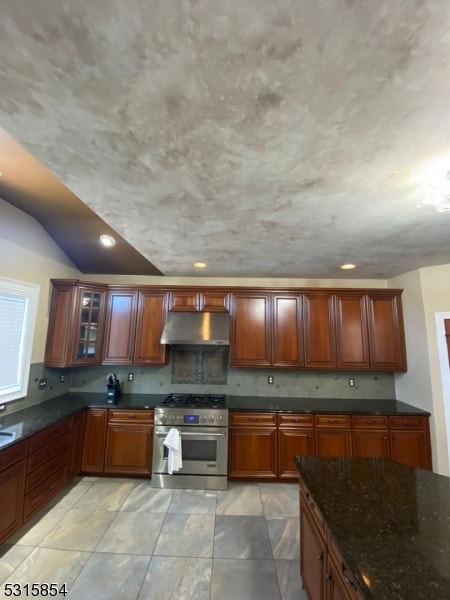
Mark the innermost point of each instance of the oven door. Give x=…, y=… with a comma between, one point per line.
x=203, y=451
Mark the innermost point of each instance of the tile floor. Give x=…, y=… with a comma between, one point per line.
x=119, y=539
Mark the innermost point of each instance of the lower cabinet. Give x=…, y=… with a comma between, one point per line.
x=252, y=448
x=118, y=441
x=13, y=468
x=129, y=440
x=295, y=438
x=262, y=445
x=48, y=465
x=323, y=572
x=333, y=435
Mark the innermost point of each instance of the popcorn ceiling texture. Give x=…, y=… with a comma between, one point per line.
x=270, y=138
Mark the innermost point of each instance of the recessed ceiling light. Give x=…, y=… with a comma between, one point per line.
x=348, y=267
x=107, y=240
x=199, y=265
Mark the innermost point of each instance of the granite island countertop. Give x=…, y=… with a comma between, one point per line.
x=390, y=522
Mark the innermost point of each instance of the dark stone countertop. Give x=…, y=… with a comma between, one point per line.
x=390, y=522
x=34, y=418
x=323, y=405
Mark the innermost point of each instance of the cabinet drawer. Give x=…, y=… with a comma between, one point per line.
x=413, y=422
x=295, y=420
x=122, y=415
x=46, y=470
x=369, y=421
x=41, y=439
x=9, y=456
x=243, y=418
x=43, y=456
x=44, y=493
x=333, y=420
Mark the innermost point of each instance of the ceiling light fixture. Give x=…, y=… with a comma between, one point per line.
x=348, y=267
x=107, y=240
x=435, y=178
x=199, y=265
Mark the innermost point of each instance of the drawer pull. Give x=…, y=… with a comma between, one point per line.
x=331, y=421
x=346, y=579
x=252, y=419
x=132, y=416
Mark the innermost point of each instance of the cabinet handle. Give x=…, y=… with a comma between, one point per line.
x=132, y=416
x=329, y=577
x=346, y=579
x=331, y=420
x=252, y=419
x=310, y=501
x=320, y=556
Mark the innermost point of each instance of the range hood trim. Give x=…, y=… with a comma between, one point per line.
x=196, y=328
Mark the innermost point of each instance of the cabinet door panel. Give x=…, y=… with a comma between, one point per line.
x=152, y=310
x=293, y=442
x=386, y=332
x=120, y=327
x=12, y=489
x=333, y=442
x=60, y=326
x=370, y=443
x=351, y=331
x=252, y=453
x=312, y=556
x=287, y=338
x=128, y=449
x=250, y=331
x=94, y=440
x=410, y=448
x=319, y=330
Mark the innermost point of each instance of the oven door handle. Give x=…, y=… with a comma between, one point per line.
x=192, y=433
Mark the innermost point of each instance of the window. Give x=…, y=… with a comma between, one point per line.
x=18, y=307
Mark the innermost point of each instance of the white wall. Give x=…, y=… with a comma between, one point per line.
x=426, y=292
x=27, y=253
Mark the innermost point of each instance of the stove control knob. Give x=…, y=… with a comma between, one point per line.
x=220, y=418
x=211, y=419
x=172, y=419
x=162, y=418
x=203, y=418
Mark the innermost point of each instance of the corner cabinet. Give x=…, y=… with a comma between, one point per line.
x=76, y=323
x=134, y=322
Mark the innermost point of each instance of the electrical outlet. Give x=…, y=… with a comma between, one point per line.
x=62, y=378
x=130, y=376
x=351, y=382
x=42, y=383
x=270, y=379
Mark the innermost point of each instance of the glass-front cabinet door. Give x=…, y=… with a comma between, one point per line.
x=91, y=310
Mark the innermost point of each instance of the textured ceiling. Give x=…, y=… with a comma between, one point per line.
x=266, y=138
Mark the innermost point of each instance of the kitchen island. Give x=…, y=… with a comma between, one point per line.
x=373, y=529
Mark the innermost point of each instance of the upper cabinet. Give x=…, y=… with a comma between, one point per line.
x=194, y=300
x=250, y=336
x=76, y=322
x=329, y=329
x=134, y=323
x=319, y=328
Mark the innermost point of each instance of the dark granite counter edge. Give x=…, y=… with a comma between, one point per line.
x=35, y=418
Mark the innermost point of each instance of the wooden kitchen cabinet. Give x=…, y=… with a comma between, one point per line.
x=76, y=323
x=94, y=440
x=250, y=338
x=386, y=331
x=193, y=300
x=410, y=441
x=323, y=571
x=252, y=447
x=351, y=330
x=287, y=331
x=134, y=323
x=13, y=467
x=319, y=330
x=129, y=442
x=295, y=438
x=370, y=436
x=48, y=465
x=333, y=435
x=312, y=551
x=76, y=446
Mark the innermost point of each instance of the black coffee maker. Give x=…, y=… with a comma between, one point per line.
x=113, y=389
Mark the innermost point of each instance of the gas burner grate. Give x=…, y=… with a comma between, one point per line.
x=195, y=401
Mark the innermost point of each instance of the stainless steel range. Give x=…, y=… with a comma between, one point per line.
x=202, y=421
